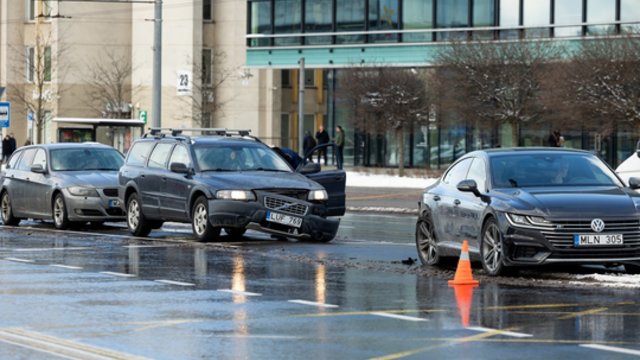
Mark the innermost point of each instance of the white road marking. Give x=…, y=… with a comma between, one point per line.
x=19, y=260
x=304, y=302
x=505, y=333
x=117, y=274
x=171, y=282
x=611, y=349
x=399, y=317
x=51, y=249
x=236, y=292
x=147, y=246
x=66, y=267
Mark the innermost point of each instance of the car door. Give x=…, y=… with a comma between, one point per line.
x=448, y=211
x=177, y=186
x=22, y=176
x=10, y=183
x=471, y=207
x=38, y=187
x=155, y=178
x=334, y=182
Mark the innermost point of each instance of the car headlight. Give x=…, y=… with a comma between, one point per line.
x=82, y=191
x=240, y=195
x=318, y=195
x=524, y=220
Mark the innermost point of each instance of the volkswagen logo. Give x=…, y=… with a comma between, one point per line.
x=597, y=225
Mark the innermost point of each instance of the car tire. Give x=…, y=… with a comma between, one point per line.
x=235, y=232
x=59, y=212
x=200, y=224
x=136, y=221
x=426, y=242
x=324, y=239
x=633, y=269
x=7, y=211
x=492, y=249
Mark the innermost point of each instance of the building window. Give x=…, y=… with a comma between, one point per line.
x=452, y=14
x=318, y=19
x=284, y=130
x=383, y=15
x=568, y=12
x=309, y=78
x=483, y=16
x=537, y=13
x=47, y=64
x=629, y=11
x=288, y=20
x=207, y=10
x=285, y=78
x=207, y=65
x=509, y=17
x=350, y=16
x=30, y=8
x=260, y=22
x=598, y=12
x=46, y=10
x=30, y=55
x=417, y=14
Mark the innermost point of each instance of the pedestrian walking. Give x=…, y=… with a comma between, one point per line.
x=323, y=138
x=339, y=146
x=308, y=144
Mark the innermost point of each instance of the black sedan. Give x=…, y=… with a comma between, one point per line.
x=531, y=206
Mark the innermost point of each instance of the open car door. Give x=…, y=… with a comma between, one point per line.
x=334, y=181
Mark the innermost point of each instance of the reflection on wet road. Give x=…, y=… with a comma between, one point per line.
x=85, y=296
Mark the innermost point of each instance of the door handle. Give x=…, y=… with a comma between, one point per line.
x=436, y=198
x=456, y=202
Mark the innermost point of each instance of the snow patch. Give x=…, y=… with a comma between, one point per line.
x=613, y=280
x=356, y=179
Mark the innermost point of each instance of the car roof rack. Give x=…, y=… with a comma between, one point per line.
x=177, y=132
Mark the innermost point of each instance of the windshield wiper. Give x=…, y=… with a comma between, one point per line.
x=218, y=170
x=265, y=169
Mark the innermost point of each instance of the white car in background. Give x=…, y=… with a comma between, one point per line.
x=630, y=167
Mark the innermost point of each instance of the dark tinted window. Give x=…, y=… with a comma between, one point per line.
x=139, y=153
x=160, y=155
x=26, y=159
x=457, y=172
x=238, y=157
x=478, y=173
x=85, y=159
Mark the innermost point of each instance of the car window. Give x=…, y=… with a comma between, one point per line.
x=26, y=160
x=238, y=157
x=478, y=173
x=457, y=172
x=40, y=158
x=86, y=159
x=14, y=159
x=139, y=153
x=160, y=155
x=180, y=155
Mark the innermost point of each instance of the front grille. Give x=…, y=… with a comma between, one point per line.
x=560, y=233
x=110, y=192
x=294, y=193
x=285, y=206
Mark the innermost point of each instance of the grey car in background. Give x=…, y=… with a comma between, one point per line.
x=67, y=183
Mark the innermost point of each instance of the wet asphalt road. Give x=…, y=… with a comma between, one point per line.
x=99, y=293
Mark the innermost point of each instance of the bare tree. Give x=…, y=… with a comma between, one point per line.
x=45, y=71
x=110, y=90
x=603, y=82
x=210, y=75
x=384, y=98
x=492, y=83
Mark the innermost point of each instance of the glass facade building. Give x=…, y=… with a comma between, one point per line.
x=371, y=24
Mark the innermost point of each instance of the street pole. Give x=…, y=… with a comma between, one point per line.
x=157, y=65
x=301, y=108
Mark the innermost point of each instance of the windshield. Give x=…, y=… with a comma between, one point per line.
x=85, y=159
x=550, y=169
x=238, y=157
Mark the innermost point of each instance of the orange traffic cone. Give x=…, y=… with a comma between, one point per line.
x=464, y=299
x=463, y=272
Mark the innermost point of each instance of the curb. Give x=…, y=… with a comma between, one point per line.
x=382, y=210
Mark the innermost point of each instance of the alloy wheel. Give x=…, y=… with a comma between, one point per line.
x=200, y=219
x=58, y=211
x=133, y=214
x=492, y=251
x=426, y=242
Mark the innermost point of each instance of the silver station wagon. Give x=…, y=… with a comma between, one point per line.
x=67, y=183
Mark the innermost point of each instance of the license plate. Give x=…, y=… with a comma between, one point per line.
x=597, y=239
x=284, y=219
x=114, y=203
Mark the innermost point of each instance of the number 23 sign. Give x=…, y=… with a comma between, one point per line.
x=184, y=85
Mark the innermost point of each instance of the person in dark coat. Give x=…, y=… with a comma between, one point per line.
x=12, y=145
x=307, y=144
x=323, y=138
x=339, y=146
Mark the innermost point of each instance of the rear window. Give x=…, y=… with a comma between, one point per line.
x=139, y=153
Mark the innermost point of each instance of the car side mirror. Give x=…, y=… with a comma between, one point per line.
x=179, y=168
x=468, y=186
x=38, y=168
x=310, y=168
x=634, y=183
